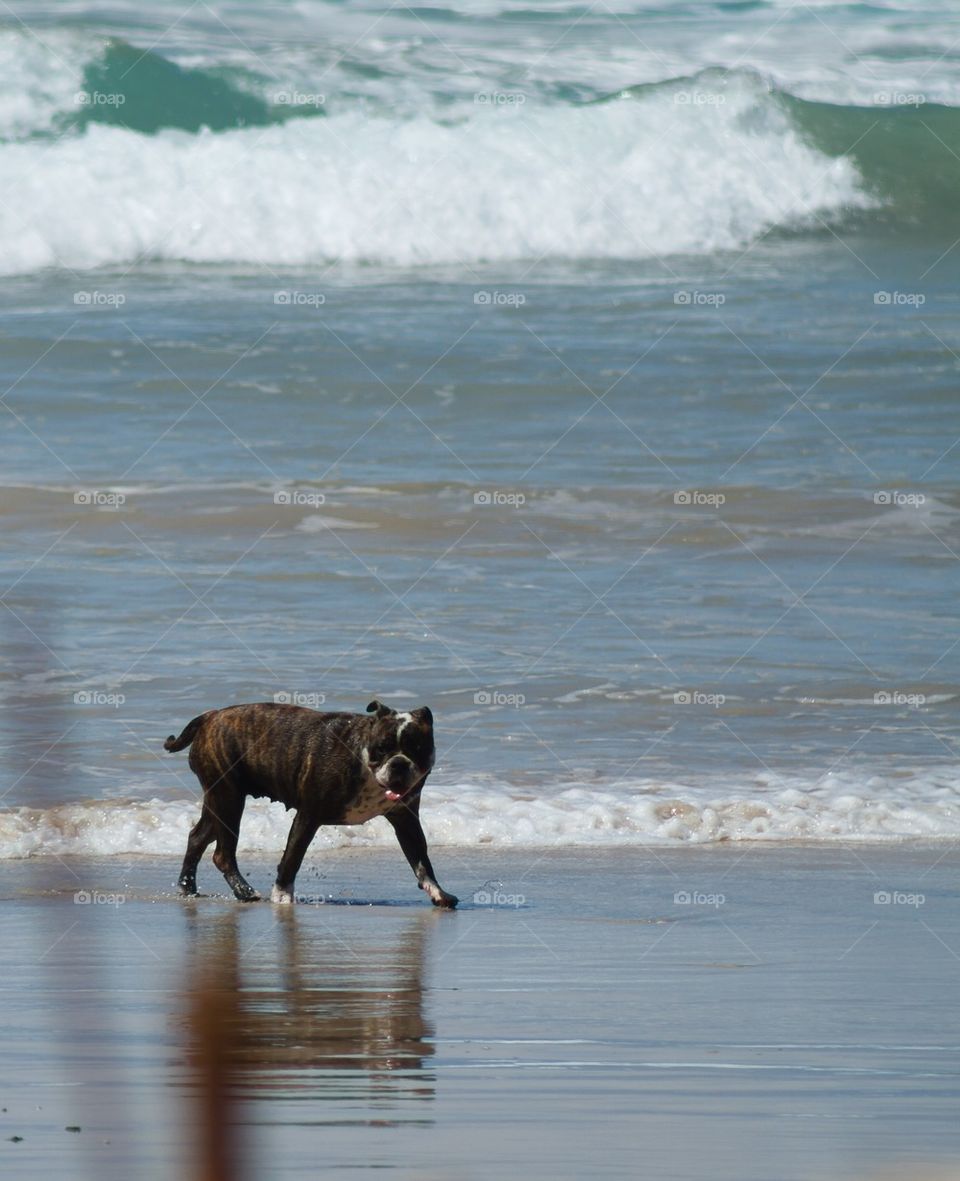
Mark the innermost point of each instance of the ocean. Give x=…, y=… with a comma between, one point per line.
x=587, y=372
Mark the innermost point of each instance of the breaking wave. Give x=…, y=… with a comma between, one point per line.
x=926, y=806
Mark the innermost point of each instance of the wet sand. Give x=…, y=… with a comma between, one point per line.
x=742, y=1012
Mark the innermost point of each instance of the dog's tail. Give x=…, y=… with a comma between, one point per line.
x=187, y=735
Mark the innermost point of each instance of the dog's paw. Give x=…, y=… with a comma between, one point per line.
x=440, y=897
x=281, y=897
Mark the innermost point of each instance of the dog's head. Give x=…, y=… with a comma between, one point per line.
x=399, y=751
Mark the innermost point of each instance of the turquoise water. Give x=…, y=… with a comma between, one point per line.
x=590, y=376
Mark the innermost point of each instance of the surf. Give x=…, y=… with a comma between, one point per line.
x=846, y=808
x=637, y=176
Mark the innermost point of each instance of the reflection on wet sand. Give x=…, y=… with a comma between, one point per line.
x=298, y=1015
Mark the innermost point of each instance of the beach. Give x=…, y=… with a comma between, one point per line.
x=782, y=1023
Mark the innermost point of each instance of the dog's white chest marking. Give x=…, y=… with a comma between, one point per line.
x=370, y=801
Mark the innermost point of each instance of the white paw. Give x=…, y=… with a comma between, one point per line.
x=439, y=897
x=284, y=897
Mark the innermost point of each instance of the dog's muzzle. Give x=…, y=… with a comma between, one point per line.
x=397, y=776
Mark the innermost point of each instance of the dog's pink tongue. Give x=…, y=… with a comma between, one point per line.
x=392, y=795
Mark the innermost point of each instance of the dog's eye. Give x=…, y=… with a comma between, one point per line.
x=414, y=745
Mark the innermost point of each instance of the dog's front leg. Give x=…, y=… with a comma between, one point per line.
x=406, y=824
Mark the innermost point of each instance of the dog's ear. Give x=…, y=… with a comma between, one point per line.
x=378, y=708
x=424, y=715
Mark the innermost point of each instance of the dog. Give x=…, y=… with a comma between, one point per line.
x=331, y=768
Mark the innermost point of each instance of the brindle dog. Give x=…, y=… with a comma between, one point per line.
x=332, y=768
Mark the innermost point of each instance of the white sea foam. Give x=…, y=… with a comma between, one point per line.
x=318, y=522
x=626, y=179
x=837, y=808
x=40, y=77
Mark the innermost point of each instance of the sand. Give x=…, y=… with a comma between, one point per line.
x=780, y=1024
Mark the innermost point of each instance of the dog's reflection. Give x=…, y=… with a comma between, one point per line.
x=296, y=1012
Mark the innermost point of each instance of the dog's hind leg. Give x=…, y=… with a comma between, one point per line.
x=302, y=832
x=201, y=835
x=226, y=808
